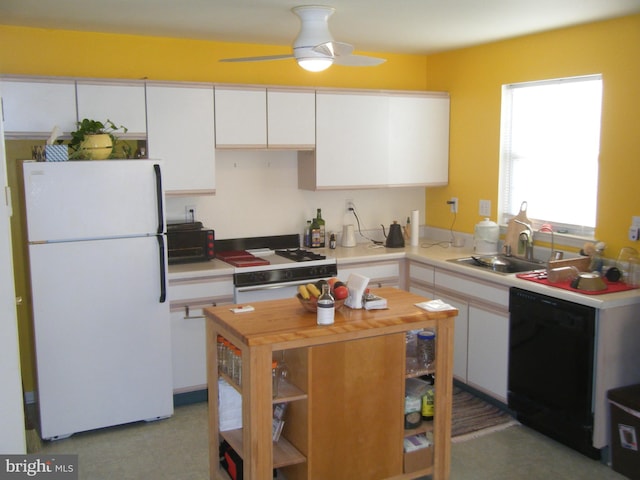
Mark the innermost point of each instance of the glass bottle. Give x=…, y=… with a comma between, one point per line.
x=307, y=234
x=326, y=307
x=323, y=233
x=315, y=234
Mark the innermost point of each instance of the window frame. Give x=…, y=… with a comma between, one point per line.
x=571, y=231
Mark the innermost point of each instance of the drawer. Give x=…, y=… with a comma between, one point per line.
x=422, y=273
x=200, y=288
x=484, y=292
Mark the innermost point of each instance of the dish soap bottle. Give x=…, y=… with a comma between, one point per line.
x=326, y=307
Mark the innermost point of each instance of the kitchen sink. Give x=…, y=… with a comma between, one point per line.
x=500, y=263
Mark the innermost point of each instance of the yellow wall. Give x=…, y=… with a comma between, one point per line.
x=474, y=77
x=37, y=51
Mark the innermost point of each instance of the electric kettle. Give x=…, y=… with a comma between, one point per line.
x=395, y=239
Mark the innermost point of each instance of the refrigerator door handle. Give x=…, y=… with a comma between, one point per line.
x=163, y=273
x=156, y=169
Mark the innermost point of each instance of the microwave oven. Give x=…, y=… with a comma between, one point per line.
x=188, y=244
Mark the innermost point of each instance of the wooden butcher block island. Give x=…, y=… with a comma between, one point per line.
x=344, y=392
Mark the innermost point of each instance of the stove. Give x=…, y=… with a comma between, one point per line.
x=268, y=268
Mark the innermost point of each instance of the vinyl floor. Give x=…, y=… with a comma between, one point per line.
x=176, y=449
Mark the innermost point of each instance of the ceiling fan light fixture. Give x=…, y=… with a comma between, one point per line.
x=315, y=64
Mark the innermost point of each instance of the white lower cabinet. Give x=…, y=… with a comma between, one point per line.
x=481, y=337
x=461, y=335
x=188, y=296
x=488, y=354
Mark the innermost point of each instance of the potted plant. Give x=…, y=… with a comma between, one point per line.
x=94, y=140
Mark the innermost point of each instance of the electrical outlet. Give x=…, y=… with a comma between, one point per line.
x=633, y=233
x=349, y=205
x=485, y=208
x=635, y=222
x=190, y=213
x=453, y=204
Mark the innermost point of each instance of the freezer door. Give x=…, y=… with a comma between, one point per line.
x=93, y=199
x=102, y=336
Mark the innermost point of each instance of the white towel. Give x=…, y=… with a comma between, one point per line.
x=434, y=306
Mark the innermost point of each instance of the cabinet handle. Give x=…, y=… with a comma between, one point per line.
x=189, y=317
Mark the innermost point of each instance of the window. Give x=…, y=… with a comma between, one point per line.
x=550, y=143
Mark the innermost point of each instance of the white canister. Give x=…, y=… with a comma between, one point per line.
x=348, y=236
x=486, y=236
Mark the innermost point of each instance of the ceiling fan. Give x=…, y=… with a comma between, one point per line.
x=314, y=49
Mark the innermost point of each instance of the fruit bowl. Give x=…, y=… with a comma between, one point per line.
x=311, y=304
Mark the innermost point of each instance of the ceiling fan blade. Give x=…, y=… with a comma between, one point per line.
x=256, y=59
x=334, y=49
x=358, y=61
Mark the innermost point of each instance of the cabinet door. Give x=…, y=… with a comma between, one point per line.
x=291, y=119
x=418, y=140
x=352, y=139
x=123, y=104
x=461, y=335
x=241, y=117
x=188, y=296
x=37, y=107
x=188, y=350
x=488, y=351
x=181, y=132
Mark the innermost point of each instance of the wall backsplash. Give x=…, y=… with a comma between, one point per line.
x=257, y=194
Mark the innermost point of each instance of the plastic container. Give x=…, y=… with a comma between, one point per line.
x=426, y=349
x=415, y=389
x=486, y=236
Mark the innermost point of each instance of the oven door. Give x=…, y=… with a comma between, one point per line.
x=274, y=291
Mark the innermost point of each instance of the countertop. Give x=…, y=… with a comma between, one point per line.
x=431, y=253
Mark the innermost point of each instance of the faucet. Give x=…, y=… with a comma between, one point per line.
x=527, y=237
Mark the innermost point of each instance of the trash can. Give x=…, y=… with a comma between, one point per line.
x=624, y=405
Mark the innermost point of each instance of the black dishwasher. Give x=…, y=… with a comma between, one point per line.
x=551, y=365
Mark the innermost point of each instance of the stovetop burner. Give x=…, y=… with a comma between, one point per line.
x=300, y=255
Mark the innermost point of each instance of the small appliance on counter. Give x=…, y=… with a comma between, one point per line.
x=394, y=239
x=485, y=238
x=189, y=242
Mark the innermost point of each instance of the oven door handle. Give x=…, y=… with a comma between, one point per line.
x=272, y=286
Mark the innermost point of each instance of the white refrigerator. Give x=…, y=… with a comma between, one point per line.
x=97, y=255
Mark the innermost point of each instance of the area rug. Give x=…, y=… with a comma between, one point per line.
x=473, y=417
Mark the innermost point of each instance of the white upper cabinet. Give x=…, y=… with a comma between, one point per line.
x=418, y=139
x=291, y=118
x=123, y=104
x=181, y=133
x=241, y=117
x=37, y=106
x=351, y=142
x=377, y=139
x=256, y=117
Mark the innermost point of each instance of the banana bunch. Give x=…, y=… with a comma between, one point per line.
x=308, y=290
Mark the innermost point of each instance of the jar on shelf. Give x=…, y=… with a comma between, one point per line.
x=426, y=349
x=220, y=351
x=275, y=378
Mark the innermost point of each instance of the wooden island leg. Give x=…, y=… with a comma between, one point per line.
x=257, y=416
x=443, y=399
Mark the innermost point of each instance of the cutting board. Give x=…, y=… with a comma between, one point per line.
x=514, y=229
x=241, y=258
